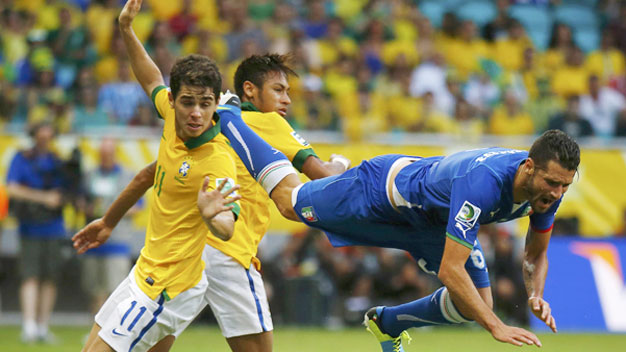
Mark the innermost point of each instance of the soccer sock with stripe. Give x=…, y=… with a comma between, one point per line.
x=266, y=164
x=434, y=309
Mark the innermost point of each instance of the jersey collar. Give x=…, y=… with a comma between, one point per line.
x=207, y=135
x=248, y=106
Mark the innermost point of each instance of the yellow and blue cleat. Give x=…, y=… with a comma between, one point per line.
x=387, y=343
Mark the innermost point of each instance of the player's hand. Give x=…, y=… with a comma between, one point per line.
x=541, y=309
x=91, y=236
x=341, y=160
x=130, y=10
x=229, y=98
x=217, y=201
x=515, y=336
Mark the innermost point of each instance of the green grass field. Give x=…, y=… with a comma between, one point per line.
x=288, y=339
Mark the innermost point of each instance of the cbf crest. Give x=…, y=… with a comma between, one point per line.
x=184, y=169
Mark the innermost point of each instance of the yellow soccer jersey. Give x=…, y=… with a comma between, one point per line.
x=170, y=260
x=255, y=214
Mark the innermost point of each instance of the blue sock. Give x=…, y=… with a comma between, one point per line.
x=435, y=309
x=266, y=164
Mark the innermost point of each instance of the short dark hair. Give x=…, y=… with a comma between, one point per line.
x=196, y=70
x=558, y=146
x=257, y=67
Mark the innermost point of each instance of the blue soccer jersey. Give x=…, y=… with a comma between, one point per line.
x=466, y=189
x=439, y=196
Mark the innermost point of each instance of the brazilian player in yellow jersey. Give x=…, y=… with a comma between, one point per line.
x=194, y=168
x=236, y=292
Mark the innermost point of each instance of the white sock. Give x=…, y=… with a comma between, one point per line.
x=29, y=328
x=42, y=330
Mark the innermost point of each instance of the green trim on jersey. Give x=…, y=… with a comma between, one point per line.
x=466, y=244
x=301, y=156
x=207, y=135
x=236, y=210
x=248, y=106
x=156, y=91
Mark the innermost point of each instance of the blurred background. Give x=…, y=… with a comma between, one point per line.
x=403, y=76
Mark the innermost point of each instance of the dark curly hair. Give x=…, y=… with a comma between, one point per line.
x=256, y=68
x=195, y=70
x=558, y=146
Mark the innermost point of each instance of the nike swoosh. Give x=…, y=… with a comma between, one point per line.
x=118, y=334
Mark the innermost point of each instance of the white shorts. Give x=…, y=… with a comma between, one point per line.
x=236, y=295
x=131, y=321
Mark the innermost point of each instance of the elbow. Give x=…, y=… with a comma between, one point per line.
x=444, y=275
x=225, y=235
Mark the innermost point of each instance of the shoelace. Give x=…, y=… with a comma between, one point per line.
x=397, y=342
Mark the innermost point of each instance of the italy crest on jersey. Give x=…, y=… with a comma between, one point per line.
x=184, y=169
x=309, y=214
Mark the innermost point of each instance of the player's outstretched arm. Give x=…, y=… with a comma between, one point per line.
x=146, y=71
x=535, y=269
x=314, y=168
x=98, y=231
x=466, y=298
x=215, y=207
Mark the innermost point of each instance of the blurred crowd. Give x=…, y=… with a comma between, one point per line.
x=364, y=66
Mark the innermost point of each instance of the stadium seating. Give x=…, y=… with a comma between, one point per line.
x=480, y=12
x=537, y=21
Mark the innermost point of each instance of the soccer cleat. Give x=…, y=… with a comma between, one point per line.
x=387, y=343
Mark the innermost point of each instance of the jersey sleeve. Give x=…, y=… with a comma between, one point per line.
x=472, y=195
x=160, y=100
x=543, y=222
x=278, y=133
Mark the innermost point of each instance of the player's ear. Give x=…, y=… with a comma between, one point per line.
x=529, y=166
x=170, y=97
x=249, y=90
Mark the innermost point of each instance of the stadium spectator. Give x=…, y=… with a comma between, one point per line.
x=71, y=46
x=571, y=78
x=559, y=46
x=466, y=122
x=499, y=27
x=509, y=295
x=467, y=51
x=617, y=26
x=183, y=23
x=607, y=62
x=121, y=99
x=570, y=121
x=241, y=29
x=601, y=107
x=508, y=50
x=86, y=114
x=482, y=93
x=103, y=268
x=430, y=76
x=35, y=183
x=510, y=118
x=315, y=24
x=620, y=129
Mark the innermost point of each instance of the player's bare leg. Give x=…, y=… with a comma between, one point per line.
x=95, y=343
x=261, y=342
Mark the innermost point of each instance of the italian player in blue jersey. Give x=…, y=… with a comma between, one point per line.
x=432, y=208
